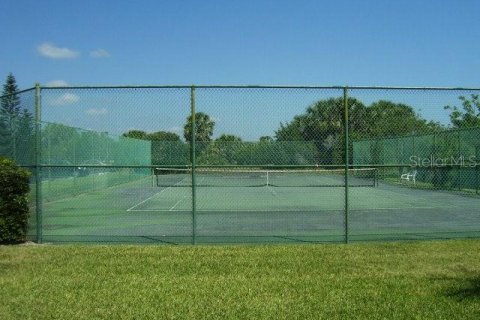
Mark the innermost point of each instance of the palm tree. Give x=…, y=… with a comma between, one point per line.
x=203, y=128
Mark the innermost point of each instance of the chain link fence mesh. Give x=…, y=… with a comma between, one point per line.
x=17, y=140
x=229, y=164
x=424, y=144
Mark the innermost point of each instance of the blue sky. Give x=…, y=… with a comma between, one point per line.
x=414, y=43
x=391, y=43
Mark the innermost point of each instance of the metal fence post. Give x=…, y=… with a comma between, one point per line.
x=477, y=168
x=345, y=108
x=193, y=160
x=38, y=162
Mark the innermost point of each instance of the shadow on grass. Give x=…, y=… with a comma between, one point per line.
x=469, y=290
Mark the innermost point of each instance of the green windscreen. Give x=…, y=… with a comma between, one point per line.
x=77, y=161
x=445, y=159
x=65, y=145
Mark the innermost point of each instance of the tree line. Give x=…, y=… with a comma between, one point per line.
x=313, y=137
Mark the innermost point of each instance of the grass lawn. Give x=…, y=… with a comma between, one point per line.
x=405, y=280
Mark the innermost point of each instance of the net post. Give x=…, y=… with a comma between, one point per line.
x=193, y=163
x=477, y=169
x=345, y=108
x=152, y=172
x=38, y=161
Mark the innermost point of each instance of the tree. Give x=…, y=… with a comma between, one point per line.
x=163, y=136
x=166, y=147
x=13, y=202
x=61, y=143
x=9, y=112
x=10, y=101
x=154, y=136
x=385, y=118
x=228, y=138
x=323, y=123
x=5, y=138
x=266, y=139
x=226, y=146
x=136, y=134
x=26, y=138
x=203, y=128
x=468, y=115
x=213, y=154
x=16, y=125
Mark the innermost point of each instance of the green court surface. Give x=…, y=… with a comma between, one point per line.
x=140, y=211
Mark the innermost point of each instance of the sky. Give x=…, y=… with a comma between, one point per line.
x=325, y=43
x=91, y=42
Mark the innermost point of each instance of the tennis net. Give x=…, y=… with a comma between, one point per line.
x=168, y=177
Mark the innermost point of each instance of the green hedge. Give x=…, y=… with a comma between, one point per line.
x=14, y=187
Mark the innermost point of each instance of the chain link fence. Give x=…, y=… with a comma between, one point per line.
x=246, y=164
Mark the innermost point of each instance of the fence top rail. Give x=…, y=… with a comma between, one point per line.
x=256, y=87
x=17, y=92
x=473, y=165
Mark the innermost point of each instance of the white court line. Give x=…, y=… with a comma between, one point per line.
x=131, y=209
x=184, y=197
x=273, y=192
x=266, y=210
x=142, y=202
x=173, y=207
x=156, y=194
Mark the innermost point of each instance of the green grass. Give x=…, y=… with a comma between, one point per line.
x=415, y=280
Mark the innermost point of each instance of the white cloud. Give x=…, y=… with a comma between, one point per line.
x=100, y=53
x=57, y=83
x=49, y=50
x=65, y=99
x=96, y=111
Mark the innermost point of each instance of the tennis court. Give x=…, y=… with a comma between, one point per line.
x=243, y=207
x=248, y=164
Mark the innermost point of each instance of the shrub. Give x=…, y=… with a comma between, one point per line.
x=14, y=187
